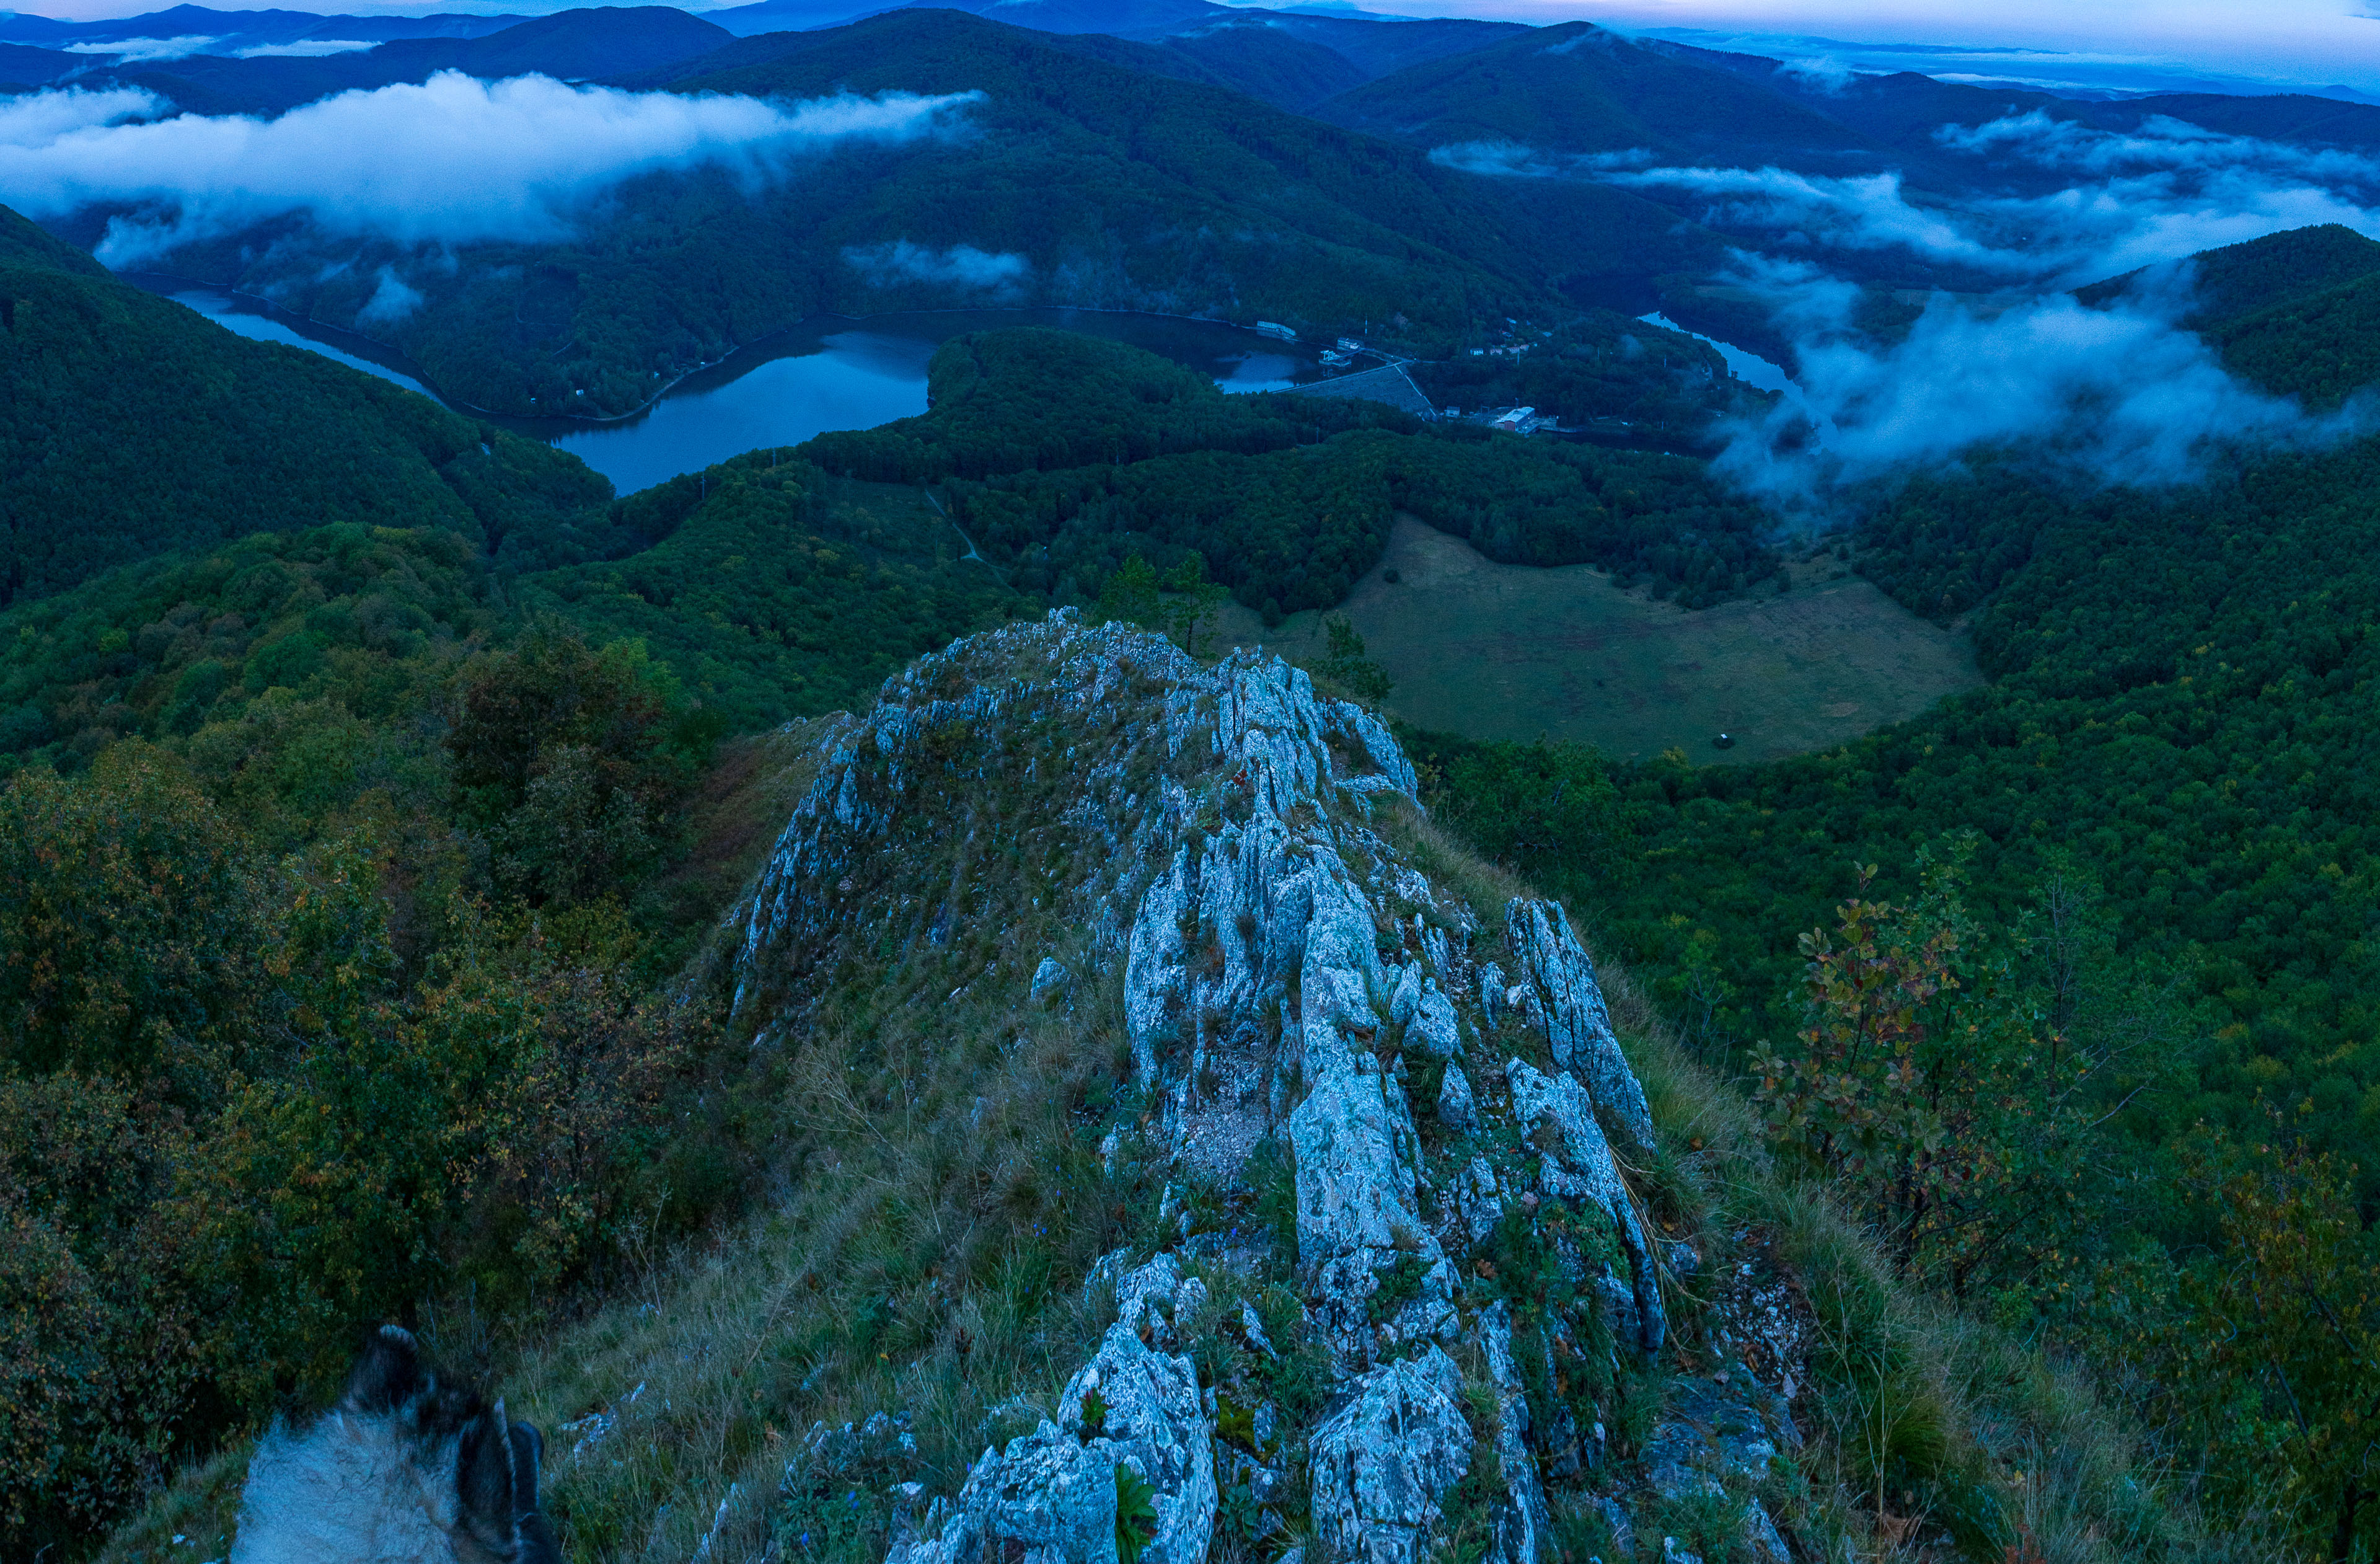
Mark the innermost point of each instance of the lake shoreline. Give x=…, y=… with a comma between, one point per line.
x=166, y=284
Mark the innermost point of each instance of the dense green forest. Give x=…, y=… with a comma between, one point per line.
x=305, y=999
x=788, y=583
x=132, y=426
x=1065, y=455
x=787, y=593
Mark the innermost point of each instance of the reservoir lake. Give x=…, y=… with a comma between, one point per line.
x=826, y=374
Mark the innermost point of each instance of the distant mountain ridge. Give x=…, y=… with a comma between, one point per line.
x=1289, y=60
x=233, y=30
x=581, y=44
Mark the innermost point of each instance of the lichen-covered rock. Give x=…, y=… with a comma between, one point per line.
x=1356, y=1195
x=1714, y=1433
x=1157, y=1296
x=1383, y=1465
x=1052, y=1493
x=1049, y=1495
x=1434, y=1028
x=1525, y=1524
x=1560, y=979
x=1456, y=1107
x=1049, y=980
x=1580, y=1168
x=1471, y=1207
x=1761, y=1537
x=1155, y=1422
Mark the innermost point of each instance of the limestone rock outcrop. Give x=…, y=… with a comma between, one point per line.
x=1235, y=852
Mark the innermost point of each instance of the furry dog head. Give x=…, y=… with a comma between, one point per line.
x=404, y=1470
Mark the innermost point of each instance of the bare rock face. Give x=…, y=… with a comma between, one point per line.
x=1152, y=1422
x=1224, y=841
x=1052, y=1498
x=1457, y=1109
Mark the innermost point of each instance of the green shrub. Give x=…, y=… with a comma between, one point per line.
x=1135, y=1514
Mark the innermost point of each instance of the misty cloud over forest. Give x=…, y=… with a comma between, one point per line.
x=999, y=276
x=450, y=160
x=2121, y=393
x=2125, y=393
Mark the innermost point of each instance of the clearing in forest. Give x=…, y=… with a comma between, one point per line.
x=1502, y=651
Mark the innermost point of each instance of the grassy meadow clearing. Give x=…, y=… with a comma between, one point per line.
x=1497, y=651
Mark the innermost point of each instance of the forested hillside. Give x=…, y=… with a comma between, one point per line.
x=785, y=583
x=133, y=427
x=1579, y=88
x=1070, y=456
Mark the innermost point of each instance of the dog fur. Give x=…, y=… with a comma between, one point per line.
x=403, y=1470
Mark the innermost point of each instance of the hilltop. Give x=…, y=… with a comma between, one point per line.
x=1185, y=1147
x=1578, y=88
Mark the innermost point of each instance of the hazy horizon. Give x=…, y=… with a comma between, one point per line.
x=2283, y=45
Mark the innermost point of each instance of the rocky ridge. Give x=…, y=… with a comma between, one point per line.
x=1439, y=1083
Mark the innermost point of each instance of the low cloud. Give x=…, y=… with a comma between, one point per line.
x=1504, y=160
x=2159, y=193
x=392, y=301
x=306, y=49
x=2120, y=396
x=1822, y=73
x=2116, y=395
x=452, y=161
x=133, y=51
x=2160, y=142
x=961, y=266
x=35, y=120
x=1871, y=212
